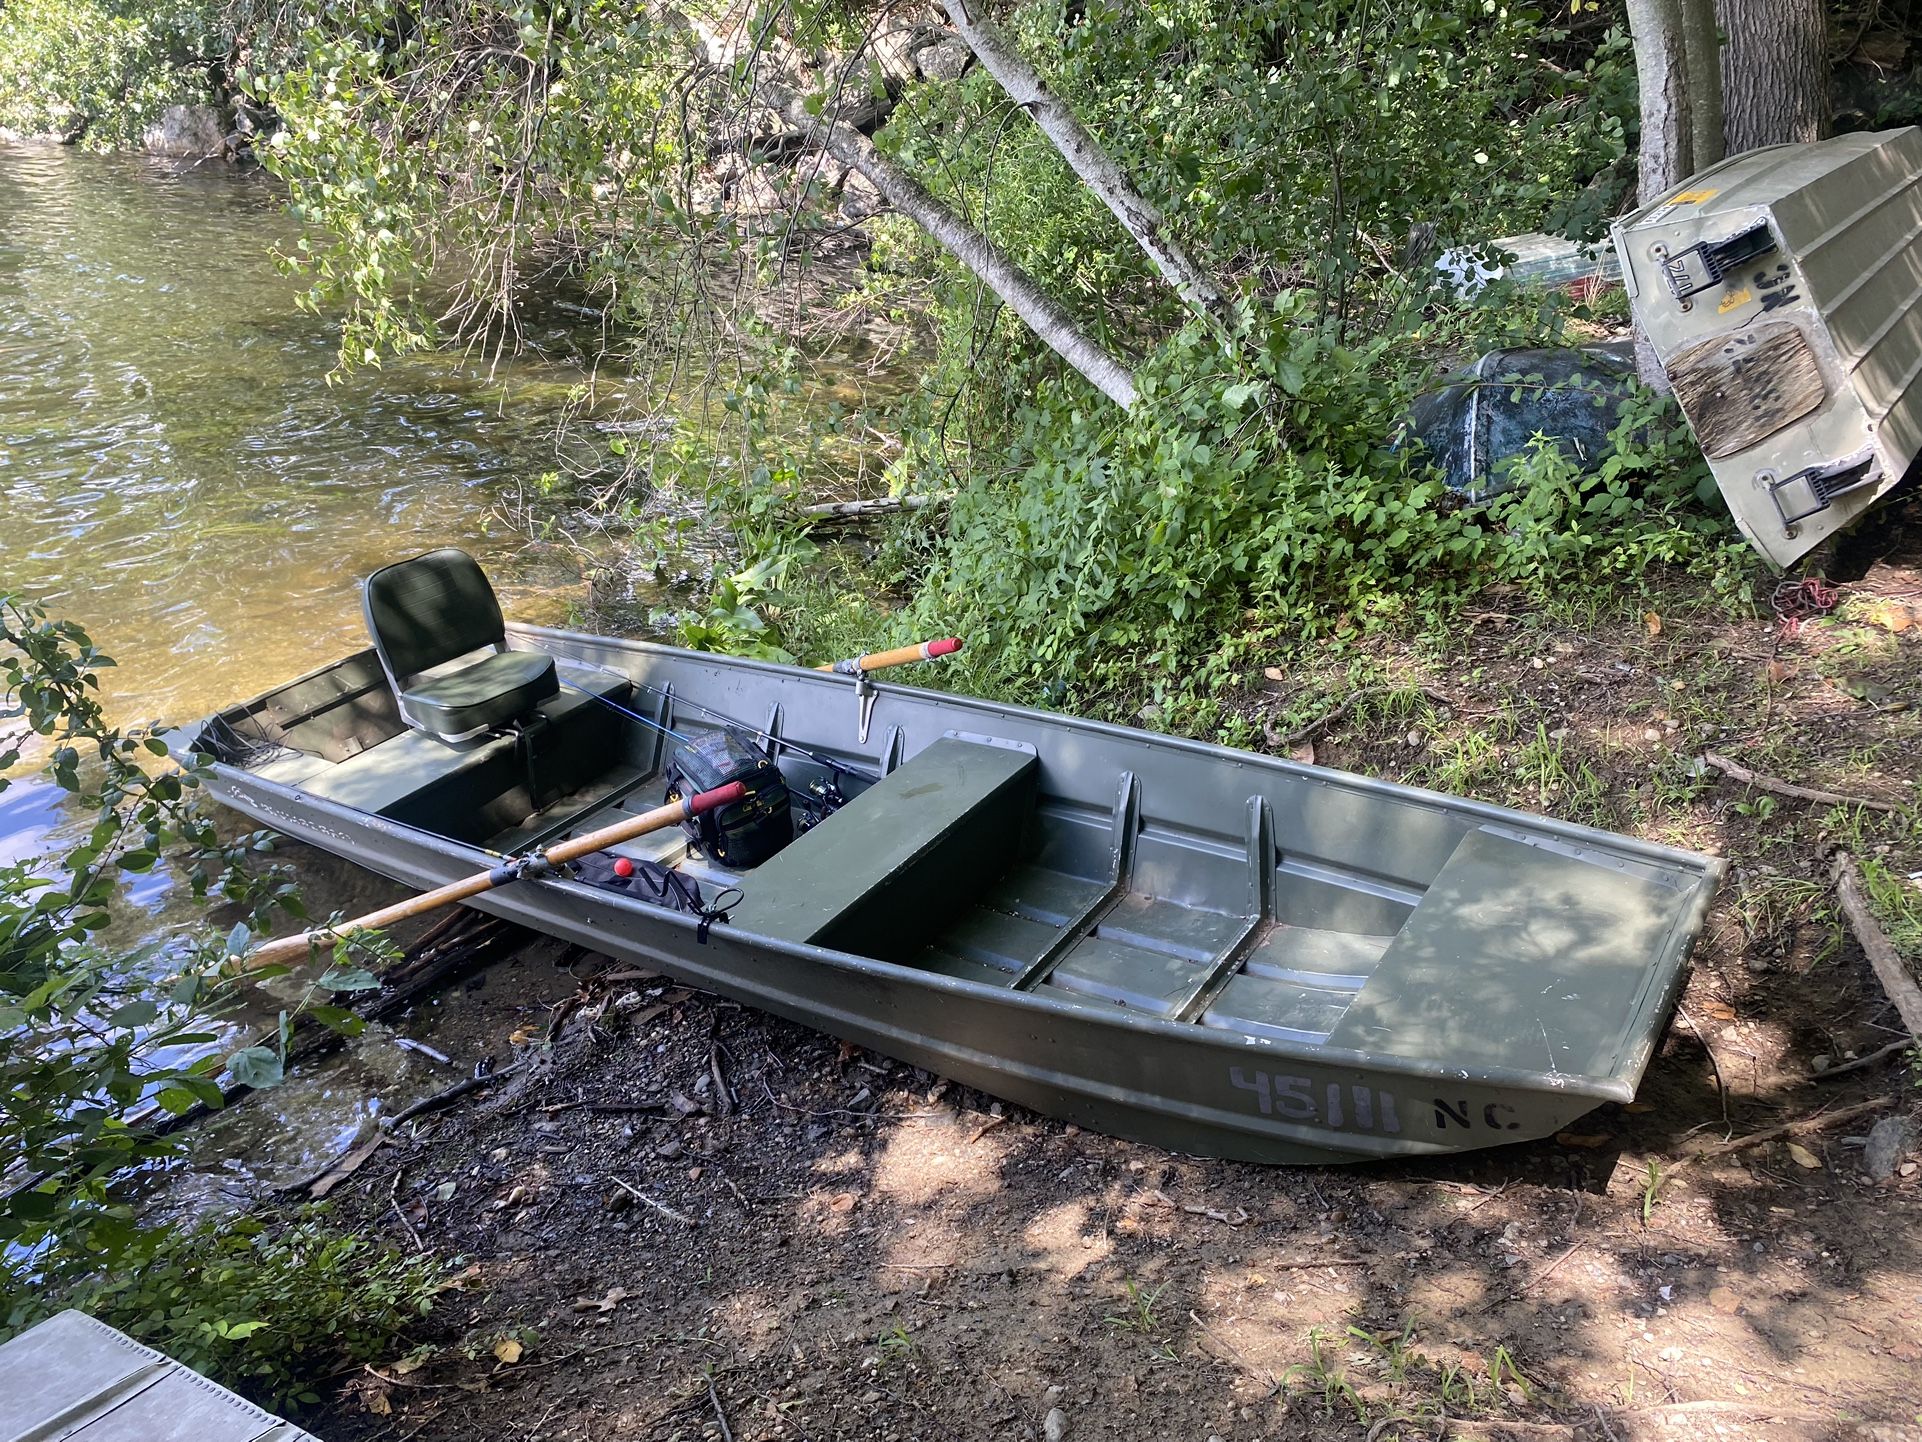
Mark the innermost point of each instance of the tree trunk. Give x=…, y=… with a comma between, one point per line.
x=968, y=245
x=1138, y=215
x=1667, y=154
x=1668, y=142
x=1774, y=72
x=1702, y=47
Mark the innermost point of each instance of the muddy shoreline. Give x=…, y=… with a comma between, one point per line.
x=692, y=1220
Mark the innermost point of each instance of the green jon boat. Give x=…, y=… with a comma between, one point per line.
x=1216, y=952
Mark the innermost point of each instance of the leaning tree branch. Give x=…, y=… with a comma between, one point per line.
x=968, y=245
x=1138, y=215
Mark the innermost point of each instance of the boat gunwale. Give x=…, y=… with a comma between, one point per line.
x=1669, y=962
x=1486, y=811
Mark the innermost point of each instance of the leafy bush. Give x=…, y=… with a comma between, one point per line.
x=267, y=1306
x=104, y=68
x=1250, y=502
x=95, y=1035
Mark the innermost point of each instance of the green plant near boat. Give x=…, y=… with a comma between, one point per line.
x=1326, y=1377
x=269, y=1305
x=1653, y=1180
x=94, y=1031
x=1138, y=1315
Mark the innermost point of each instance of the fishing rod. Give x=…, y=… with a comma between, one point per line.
x=714, y=715
x=857, y=666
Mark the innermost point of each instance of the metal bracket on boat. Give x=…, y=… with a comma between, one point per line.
x=532, y=867
x=1810, y=490
x=864, y=694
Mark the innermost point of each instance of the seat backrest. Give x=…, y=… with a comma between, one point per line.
x=427, y=611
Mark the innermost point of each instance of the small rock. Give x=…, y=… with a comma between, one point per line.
x=1724, y=1300
x=1650, y=733
x=945, y=59
x=1889, y=1142
x=1053, y=1395
x=1055, y=1425
x=618, y=1201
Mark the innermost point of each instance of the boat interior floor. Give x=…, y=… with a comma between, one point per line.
x=956, y=861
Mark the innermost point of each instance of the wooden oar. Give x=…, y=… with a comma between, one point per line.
x=294, y=948
x=899, y=656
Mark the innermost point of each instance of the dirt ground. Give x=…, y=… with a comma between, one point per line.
x=685, y=1219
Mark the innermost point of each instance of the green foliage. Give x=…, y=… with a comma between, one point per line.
x=1325, y=147
x=1251, y=501
x=95, y=1034
x=104, y=69
x=1898, y=905
x=466, y=140
x=267, y=1306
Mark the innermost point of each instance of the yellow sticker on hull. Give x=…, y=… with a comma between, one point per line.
x=1730, y=302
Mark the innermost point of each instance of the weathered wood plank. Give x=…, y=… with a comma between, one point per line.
x=1737, y=390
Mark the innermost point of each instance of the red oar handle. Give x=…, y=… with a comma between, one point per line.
x=899, y=656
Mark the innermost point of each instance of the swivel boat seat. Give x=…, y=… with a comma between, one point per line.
x=429, y=617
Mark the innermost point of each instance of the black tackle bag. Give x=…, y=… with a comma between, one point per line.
x=743, y=833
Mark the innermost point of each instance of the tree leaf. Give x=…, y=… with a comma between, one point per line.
x=256, y=1066
x=134, y=1013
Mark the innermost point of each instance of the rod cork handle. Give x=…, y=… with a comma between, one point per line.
x=296, y=948
x=899, y=656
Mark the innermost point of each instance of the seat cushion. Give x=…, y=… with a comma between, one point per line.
x=431, y=610
x=489, y=692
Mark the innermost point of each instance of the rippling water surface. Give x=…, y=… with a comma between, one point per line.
x=175, y=471
x=177, y=475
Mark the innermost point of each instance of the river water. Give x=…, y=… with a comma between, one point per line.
x=176, y=471
x=182, y=474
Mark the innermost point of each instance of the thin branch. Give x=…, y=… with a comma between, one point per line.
x=1735, y=771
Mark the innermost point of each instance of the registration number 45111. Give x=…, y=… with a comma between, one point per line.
x=1329, y=1104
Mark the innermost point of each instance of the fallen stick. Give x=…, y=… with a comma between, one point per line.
x=1735, y=771
x=727, y=1433
x=862, y=509
x=393, y=1200
x=1890, y=969
x=662, y=1207
x=1820, y=1122
x=453, y=1094
x=1864, y=1061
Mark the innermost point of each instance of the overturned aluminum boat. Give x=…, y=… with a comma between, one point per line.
x=1217, y=952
